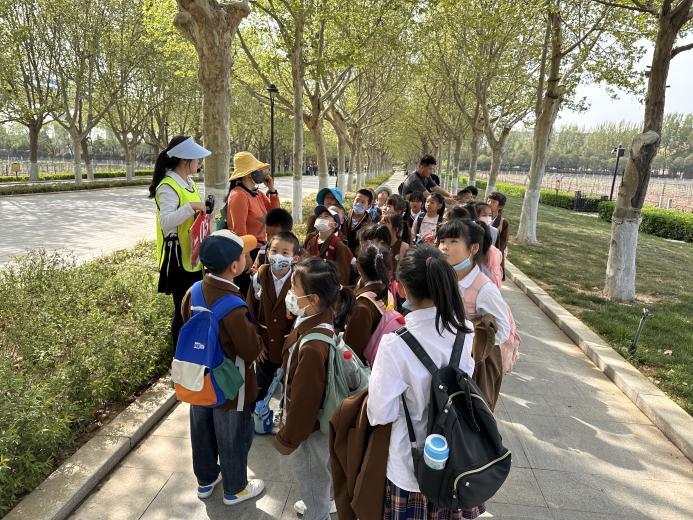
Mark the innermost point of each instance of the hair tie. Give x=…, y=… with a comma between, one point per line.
x=379, y=255
x=428, y=261
x=341, y=287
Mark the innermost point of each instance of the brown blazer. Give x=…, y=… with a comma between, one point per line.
x=273, y=321
x=488, y=363
x=501, y=223
x=306, y=381
x=358, y=460
x=363, y=321
x=352, y=234
x=237, y=334
x=341, y=259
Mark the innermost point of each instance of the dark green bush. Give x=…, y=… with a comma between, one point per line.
x=665, y=223
x=72, y=339
x=70, y=186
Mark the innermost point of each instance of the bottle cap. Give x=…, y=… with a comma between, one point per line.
x=436, y=447
x=348, y=355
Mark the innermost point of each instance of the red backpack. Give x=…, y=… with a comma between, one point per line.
x=390, y=321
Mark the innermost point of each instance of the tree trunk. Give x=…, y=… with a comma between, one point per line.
x=620, y=268
x=129, y=162
x=317, y=131
x=88, y=159
x=352, y=165
x=210, y=27
x=360, y=174
x=77, y=153
x=473, y=155
x=34, y=130
x=456, y=165
x=341, y=162
x=497, y=149
x=297, y=78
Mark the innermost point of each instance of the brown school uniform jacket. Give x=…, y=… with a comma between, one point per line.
x=273, y=321
x=363, y=321
x=351, y=234
x=488, y=363
x=358, y=460
x=503, y=226
x=237, y=334
x=306, y=370
x=342, y=255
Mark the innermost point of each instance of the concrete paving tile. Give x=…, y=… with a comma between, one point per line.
x=502, y=511
x=520, y=488
x=125, y=494
x=566, y=514
x=511, y=439
x=289, y=513
x=654, y=499
x=178, y=501
x=575, y=491
x=176, y=424
x=161, y=453
x=267, y=463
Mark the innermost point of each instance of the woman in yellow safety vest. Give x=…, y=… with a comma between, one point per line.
x=178, y=202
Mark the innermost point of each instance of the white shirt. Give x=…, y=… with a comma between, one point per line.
x=279, y=282
x=489, y=301
x=223, y=280
x=170, y=215
x=428, y=225
x=398, y=371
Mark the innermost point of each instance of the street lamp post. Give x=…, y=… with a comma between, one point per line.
x=166, y=131
x=273, y=91
x=620, y=151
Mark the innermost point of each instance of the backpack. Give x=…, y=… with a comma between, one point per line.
x=419, y=221
x=511, y=346
x=477, y=463
x=400, y=188
x=337, y=386
x=201, y=372
x=390, y=321
x=330, y=254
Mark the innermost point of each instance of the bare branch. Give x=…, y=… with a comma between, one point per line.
x=636, y=6
x=680, y=49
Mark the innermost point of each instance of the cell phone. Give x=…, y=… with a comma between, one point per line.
x=209, y=203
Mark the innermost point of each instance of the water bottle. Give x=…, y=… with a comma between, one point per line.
x=353, y=374
x=436, y=451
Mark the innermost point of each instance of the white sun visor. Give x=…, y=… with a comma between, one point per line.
x=188, y=149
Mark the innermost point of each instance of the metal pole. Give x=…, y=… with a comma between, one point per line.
x=619, y=152
x=272, y=135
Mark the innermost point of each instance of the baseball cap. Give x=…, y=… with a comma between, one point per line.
x=223, y=247
x=320, y=209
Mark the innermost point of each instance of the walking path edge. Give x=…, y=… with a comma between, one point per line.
x=60, y=494
x=664, y=413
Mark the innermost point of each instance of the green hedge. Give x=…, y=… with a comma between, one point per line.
x=549, y=197
x=73, y=339
x=70, y=186
x=665, y=223
x=71, y=176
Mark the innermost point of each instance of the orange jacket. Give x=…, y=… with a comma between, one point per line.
x=246, y=210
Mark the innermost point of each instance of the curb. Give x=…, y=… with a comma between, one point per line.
x=664, y=413
x=60, y=494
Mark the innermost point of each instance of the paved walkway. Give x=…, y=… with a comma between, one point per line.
x=581, y=450
x=88, y=223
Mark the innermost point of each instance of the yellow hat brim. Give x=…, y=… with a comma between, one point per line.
x=237, y=174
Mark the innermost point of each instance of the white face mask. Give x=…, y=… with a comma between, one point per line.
x=280, y=262
x=291, y=301
x=322, y=225
x=486, y=220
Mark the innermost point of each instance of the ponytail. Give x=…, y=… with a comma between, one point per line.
x=481, y=257
x=342, y=309
x=426, y=274
x=397, y=222
x=165, y=163
x=375, y=261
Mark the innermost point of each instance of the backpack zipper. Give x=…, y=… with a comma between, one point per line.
x=473, y=395
x=478, y=470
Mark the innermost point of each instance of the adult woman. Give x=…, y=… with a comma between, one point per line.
x=247, y=205
x=177, y=203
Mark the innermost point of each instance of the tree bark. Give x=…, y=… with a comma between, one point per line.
x=34, y=130
x=474, y=155
x=341, y=162
x=352, y=165
x=129, y=162
x=317, y=131
x=360, y=174
x=211, y=26
x=88, y=159
x=456, y=165
x=297, y=80
x=497, y=149
x=77, y=156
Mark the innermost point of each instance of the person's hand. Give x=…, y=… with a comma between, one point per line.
x=429, y=238
x=269, y=182
x=263, y=356
x=198, y=206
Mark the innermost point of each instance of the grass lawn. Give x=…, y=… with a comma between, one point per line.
x=570, y=265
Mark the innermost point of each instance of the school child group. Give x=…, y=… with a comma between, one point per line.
x=438, y=264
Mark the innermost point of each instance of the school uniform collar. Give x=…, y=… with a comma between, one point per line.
x=305, y=323
x=360, y=222
x=469, y=279
x=420, y=315
x=221, y=283
x=372, y=286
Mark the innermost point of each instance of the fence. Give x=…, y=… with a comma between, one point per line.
x=61, y=166
x=661, y=193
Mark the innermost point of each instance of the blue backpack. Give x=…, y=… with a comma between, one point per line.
x=201, y=373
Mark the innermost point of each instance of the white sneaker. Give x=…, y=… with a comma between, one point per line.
x=206, y=491
x=485, y=514
x=254, y=488
x=300, y=507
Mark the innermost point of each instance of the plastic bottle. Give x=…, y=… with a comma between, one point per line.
x=353, y=374
x=436, y=451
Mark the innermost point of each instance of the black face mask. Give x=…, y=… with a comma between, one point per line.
x=258, y=176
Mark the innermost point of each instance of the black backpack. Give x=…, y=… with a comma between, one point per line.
x=478, y=463
x=400, y=188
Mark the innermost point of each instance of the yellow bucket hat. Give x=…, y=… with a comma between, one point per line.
x=245, y=163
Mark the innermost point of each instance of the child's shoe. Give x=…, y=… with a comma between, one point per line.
x=300, y=507
x=206, y=491
x=254, y=488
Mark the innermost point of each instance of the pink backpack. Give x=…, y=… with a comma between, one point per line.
x=390, y=321
x=510, y=347
x=494, y=269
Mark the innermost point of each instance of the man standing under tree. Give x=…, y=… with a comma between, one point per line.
x=421, y=180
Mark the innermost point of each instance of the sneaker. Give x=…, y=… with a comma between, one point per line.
x=485, y=514
x=300, y=507
x=206, y=491
x=254, y=488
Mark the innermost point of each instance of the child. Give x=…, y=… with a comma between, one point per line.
x=327, y=197
x=357, y=219
x=497, y=202
x=424, y=229
x=318, y=301
x=381, y=195
x=266, y=300
x=221, y=437
x=455, y=212
x=396, y=204
x=276, y=221
x=374, y=265
x=416, y=202
x=489, y=258
x=326, y=243
x=460, y=241
x=400, y=237
x=486, y=216
x=468, y=194
x=436, y=318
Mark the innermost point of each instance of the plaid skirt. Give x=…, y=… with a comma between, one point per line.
x=407, y=505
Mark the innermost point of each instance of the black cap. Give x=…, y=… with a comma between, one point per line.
x=222, y=248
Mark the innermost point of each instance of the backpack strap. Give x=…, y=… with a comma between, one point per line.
x=197, y=298
x=417, y=349
x=457, y=349
x=419, y=221
x=226, y=304
x=373, y=298
x=316, y=336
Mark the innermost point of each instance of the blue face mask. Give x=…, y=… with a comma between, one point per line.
x=463, y=265
x=279, y=262
x=359, y=208
x=407, y=305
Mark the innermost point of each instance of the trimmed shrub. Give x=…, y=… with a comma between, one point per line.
x=70, y=186
x=665, y=223
x=73, y=339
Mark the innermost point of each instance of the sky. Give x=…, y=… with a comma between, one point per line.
x=628, y=107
